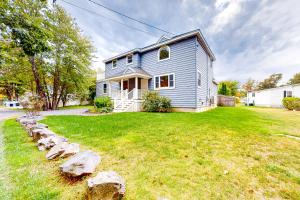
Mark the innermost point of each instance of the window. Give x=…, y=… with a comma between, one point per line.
x=129, y=59
x=114, y=64
x=163, y=53
x=287, y=94
x=164, y=81
x=199, y=79
x=104, y=88
x=253, y=94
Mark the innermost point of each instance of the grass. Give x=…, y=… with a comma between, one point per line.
x=226, y=153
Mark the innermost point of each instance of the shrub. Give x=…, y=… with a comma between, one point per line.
x=32, y=105
x=103, y=104
x=155, y=103
x=291, y=103
x=164, y=104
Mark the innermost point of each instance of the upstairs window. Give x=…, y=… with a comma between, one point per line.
x=104, y=88
x=287, y=94
x=114, y=64
x=129, y=59
x=164, y=81
x=199, y=79
x=163, y=53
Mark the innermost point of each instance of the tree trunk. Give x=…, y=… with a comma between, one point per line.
x=55, y=99
x=38, y=84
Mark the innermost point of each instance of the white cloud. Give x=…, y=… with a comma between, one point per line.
x=228, y=10
x=274, y=35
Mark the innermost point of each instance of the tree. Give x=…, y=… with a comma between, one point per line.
x=270, y=82
x=295, y=79
x=26, y=25
x=13, y=68
x=249, y=85
x=69, y=70
x=50, y=40
x=229, y=87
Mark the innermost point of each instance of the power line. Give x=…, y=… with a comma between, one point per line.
x=95, y=13
x=144, y=23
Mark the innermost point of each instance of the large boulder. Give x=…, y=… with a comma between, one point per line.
x=106, y=186
x=49, y=142
x=63, y=150
x=70, y=150
x=40, y=133
x=80, y=164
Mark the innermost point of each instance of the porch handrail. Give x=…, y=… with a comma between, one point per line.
x=130, y=94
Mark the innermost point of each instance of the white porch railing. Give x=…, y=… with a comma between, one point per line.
x=119, y=97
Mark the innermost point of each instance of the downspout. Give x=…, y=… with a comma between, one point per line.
x=206, y=80
x=196, y=71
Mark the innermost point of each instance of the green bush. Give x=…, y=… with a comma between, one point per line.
x=155, y=103
x=291, y=103
x=103, y=104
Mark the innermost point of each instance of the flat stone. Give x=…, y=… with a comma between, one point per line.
x=25, y=121
x=21, y=117
x=106, y=186
x=80, y=164
x=63, y=150
x=30, y=128
x=57, y=150
x=40, y=133
x=49, y=142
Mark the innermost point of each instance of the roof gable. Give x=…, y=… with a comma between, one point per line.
x=162, y=39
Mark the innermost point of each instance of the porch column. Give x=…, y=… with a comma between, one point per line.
x=136, y=88
x=109, y=89
x=121, y=88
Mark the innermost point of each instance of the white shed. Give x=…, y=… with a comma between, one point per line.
x=272, y=97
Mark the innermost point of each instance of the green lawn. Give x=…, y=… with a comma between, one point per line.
x=226, y=153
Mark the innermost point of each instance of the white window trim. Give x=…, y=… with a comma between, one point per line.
x=159, y=53
x=164, y=88
x=112, y=64
x=127, y=59
x=106, y=88
x=198, y=72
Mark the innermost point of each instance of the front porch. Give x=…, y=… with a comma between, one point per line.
x=127, y=91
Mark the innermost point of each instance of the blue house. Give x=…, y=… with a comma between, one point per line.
x=180, y=68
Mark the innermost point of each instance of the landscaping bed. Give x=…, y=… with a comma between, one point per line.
x=226, y=153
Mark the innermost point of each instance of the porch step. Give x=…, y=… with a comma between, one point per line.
x=126, y=105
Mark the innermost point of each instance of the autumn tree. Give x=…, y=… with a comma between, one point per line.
x=295, y=79
x=270, y=82
x=249, y=85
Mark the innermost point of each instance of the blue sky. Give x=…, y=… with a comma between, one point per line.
x=250, y=38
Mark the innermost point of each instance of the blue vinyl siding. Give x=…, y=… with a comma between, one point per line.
x=99, y=89
x=182, y=64
x=202, y=62
x=121, y=65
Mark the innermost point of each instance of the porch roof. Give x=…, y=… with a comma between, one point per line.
x=130, y=72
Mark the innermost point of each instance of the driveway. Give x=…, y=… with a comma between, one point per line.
x=6, y=113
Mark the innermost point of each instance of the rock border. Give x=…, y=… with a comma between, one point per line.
x=105, y=185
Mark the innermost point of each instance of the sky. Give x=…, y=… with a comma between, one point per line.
x=250, y=38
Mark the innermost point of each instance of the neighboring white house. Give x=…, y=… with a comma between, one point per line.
x=272, y=97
